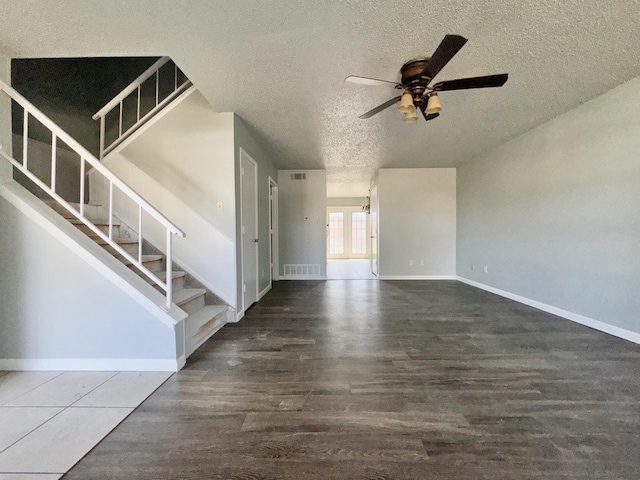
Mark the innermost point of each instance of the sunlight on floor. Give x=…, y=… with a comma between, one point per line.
x=351, y=269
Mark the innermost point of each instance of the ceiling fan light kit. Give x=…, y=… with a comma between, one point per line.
x=416, y=76
x=406, y=103
x=411, y=117
x=433, y=105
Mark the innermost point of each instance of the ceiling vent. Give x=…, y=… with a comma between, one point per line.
x=298, y=176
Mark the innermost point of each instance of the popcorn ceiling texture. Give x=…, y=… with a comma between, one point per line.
x=281, y=65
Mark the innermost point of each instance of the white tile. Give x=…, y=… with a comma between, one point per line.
x=58, y=444
x=16, y=422
x=126, y=389
x=16, y=384
x=30, y=476
x=63, y=390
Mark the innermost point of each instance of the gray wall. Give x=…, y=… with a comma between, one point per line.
x=555, y=213
x=417, y=221
x=53, y=305
x=303, y=214
x=244, y=139
x=5, y=116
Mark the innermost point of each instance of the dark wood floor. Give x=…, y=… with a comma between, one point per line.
x=388, y=380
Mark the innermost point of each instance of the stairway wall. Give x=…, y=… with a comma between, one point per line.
x=58, y=312
x=183, y=164
x=5, y=114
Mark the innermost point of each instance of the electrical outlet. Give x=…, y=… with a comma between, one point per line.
x=411, y=263
x=485, y=269
x=263, y=273
x=422, y=263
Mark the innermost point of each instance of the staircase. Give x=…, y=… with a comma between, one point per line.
x=203, y=319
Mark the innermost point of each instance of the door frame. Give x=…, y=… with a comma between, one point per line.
x=374, y=210
x=244, y=154
x=274, y=271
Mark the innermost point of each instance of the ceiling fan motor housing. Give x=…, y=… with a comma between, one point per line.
x=412, y=78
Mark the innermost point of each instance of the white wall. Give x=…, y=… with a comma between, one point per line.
x=346, y=201
x=302, y=215
x=184, y=165
x=247, y=140
x=417, y=222
x=53, y=305
x=5, y=115
x=555, y=213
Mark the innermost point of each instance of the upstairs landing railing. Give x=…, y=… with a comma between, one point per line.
x=138, y=102
x=40, y=123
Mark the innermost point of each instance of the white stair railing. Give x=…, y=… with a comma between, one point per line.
x=164, y=68
x=57, y=134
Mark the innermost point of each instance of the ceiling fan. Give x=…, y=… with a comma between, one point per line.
x=417, y=74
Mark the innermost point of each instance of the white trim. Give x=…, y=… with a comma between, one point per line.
x=303, y=277
x=574, y=317
x=91, y=364
x=264, y=292
x=239, y=316
x=182, y=361
x=417, y=277
x=244, y=154
x=274, y=256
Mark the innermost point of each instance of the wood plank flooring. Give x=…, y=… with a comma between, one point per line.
x=388, y=380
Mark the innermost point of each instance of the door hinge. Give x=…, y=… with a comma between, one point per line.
x=244, y=288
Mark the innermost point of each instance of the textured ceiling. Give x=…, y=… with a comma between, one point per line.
x=281, y=65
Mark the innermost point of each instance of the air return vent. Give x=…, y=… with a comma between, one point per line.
x=301, y=270
x=298, y=176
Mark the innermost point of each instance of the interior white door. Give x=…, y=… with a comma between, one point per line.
x=249, y=222
x=375, y=218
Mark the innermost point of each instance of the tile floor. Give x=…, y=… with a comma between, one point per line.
x=50, y=420
x=351, y=269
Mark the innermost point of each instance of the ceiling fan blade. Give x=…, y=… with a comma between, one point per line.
x=473, y=82
x=372, y=82
x=429, y=116
x=380, y=108
x=450, y=45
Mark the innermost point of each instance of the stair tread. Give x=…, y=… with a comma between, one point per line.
x=145, y=258
x=186, y=294
x=76, y=221
x=198, y=319
x=102, y=241
x=163, y=275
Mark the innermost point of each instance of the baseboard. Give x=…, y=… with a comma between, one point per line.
x=417, y=277
x=574, y=317
x=264, y=292
x=302, y=277
x=238, y=316
x=92, y=364
x=182, y=361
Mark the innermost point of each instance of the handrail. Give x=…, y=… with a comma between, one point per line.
x=148, y=73
x=136, y=85
x=114, y=181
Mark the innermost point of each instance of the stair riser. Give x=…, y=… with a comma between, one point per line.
x=103, y=228
x=130, y=248
x=152, y=265
x=193, y=305
x=177, y=284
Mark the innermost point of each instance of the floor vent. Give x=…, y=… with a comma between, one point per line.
x=301, y=269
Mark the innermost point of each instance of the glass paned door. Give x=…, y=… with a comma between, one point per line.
x=336, y=235
x=347, y=233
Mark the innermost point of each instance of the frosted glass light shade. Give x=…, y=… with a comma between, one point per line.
x=406, y=103
x=433, y=105
x=411, y=116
